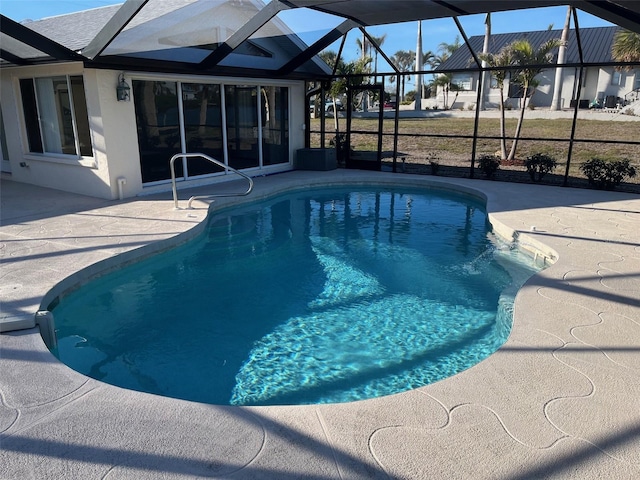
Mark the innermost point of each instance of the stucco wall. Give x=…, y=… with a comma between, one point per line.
x=113, y=134
x=88, y=175
x=597, y=81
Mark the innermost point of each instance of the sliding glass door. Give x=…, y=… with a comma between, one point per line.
x=157, y=118
x=202, y=107
x=275, y=124
x=241, y=104
x=243, y=126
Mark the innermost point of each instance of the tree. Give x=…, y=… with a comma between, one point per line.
x=626, y=47
x=427, y=58
x=504, y=58
x=329, y=57
x=448, y=48
x=530, y=61
x=403, y=60
x=444, y=81
x=341, y=82
x=365, y=47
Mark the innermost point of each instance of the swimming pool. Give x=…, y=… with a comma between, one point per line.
x=319, y=296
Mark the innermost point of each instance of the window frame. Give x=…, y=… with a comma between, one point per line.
x=223, y=82
x=468, y=81
x=616, y=78
x=31, y=126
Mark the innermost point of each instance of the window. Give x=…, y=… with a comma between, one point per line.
x=616, y=78
x=462, y=80
x=55, y=114
x=636, y=85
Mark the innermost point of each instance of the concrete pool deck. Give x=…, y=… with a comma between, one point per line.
x=561, y=399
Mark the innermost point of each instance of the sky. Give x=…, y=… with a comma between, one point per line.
x=310, y=25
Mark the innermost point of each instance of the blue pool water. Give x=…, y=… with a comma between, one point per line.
x=319, y=296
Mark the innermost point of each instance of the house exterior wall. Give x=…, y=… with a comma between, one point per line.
x=113, y=133
x=85, y=175
x=597, y=83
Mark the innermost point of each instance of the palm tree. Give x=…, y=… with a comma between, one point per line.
x=529, y=60
x=365, y=46
x=329, y=57
x=339, y=84
x=436, y=60
x=403, y=60
x=442, y=80
x=626, y=47
x=448, y=48
x=503, y=58
x=445, y=82
x=427, y=58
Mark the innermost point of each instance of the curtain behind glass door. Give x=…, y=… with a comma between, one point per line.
x=202, y=109
x=157, y=119
x=241, y=106
x=275, y=125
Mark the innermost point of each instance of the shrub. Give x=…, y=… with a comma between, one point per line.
x=607, y=174
x=538, y=165
x=489, y=164
x=340, y=144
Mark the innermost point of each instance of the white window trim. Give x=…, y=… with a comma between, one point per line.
x=222, y=82
x=50, y=157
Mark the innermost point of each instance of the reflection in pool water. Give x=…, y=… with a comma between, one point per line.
x=320, y=296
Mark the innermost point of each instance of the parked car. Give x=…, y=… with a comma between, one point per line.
x=391, y=105
x=328, y=106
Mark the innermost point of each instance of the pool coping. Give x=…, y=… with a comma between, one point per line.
x=560, y=398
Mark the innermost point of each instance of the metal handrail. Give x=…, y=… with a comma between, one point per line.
x=636, y=95
x=212, y=160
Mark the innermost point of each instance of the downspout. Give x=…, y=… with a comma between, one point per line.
x=121, y=183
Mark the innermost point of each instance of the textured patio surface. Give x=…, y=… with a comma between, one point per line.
x=561, y=399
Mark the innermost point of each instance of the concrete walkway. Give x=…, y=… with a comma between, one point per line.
x=561, y=399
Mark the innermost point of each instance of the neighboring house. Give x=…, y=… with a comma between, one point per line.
x=605, y=83
x=189, y=91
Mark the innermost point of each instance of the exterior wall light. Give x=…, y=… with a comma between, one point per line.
x=123, y=89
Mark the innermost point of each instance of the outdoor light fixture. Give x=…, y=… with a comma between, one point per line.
x=122, y=90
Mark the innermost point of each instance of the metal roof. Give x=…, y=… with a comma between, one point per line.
x=596, y=46
x=236, y=37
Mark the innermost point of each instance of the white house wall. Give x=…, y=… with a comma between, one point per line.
x=88, y=175
x=116, y=129
x=597, y=84
x=113, y=133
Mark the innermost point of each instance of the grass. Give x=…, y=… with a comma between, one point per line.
x=442, y=139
